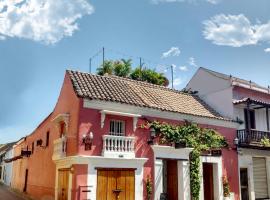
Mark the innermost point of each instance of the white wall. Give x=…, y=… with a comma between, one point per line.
x=7, y=174
x=215, y=91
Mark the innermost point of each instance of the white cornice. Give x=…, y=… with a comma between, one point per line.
x=150, y=112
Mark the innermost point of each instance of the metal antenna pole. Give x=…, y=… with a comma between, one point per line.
x=103, y=55
x=140, y=68
x=172, y=75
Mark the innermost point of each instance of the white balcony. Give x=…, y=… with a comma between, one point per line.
x=59, y=149
x=118, y=146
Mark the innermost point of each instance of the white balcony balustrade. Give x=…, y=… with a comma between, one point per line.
x=59, y=149
x=118, y=146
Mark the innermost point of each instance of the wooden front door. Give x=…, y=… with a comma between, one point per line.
x=208, y=181
x=172, y=180
x=63, y=179
x=115, y=184
x=244, y=183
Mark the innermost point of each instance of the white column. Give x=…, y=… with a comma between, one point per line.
x=217, y=176
x=92, y=182
x=183, y=180
x=158, y=178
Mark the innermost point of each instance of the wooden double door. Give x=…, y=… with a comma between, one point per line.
x=115, y=184
x=63, y=180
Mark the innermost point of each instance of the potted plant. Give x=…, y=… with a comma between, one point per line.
x=180, y=144
x=226, y=188
x=149, y=188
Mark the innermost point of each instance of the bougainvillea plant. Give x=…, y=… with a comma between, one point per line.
x=200, y=139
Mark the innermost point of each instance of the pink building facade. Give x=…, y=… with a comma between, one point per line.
x=93, y=147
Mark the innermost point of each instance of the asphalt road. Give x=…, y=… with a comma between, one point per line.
x=6, y=194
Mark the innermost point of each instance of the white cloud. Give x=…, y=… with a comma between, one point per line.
x=173, y=51
x=46, y=21
x=188, y=1
x=213, y=1
x=192, y=62
x=183, y=68
x=267, y=50
x=235, y=31
x=177, y=81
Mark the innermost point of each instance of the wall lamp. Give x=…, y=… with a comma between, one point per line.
x=152, y=136
x=236, y=141
x=87, y=140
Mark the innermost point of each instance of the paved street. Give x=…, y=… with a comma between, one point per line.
x=6, y=194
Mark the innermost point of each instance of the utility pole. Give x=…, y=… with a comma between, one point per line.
x=90, y=65
x=103, y=55
x=172, y=74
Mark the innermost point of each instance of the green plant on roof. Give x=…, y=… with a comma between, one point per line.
x=123, y=68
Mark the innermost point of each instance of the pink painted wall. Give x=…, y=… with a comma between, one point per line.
x=240, y=93
x=89, y=120
x=42, y=170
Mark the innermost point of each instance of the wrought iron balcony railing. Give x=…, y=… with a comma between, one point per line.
x=251, y=137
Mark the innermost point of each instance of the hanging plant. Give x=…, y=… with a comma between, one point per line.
x=200, y=139
x=149, y=188
x=226, y=187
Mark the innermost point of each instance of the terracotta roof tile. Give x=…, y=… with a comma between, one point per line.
x=138, y=93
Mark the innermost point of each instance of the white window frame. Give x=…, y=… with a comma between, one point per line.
x=115, y=124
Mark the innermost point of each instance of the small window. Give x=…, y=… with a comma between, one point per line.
x=47, y=138
x=117, y=127
x=33, y=146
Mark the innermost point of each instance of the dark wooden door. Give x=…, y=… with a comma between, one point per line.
x=208, y=181
x=244, y=183
x=116, y=184
x=63, y=178
x=172, y=180
x=25, y=180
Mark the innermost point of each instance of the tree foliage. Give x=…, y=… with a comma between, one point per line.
x=123, y=68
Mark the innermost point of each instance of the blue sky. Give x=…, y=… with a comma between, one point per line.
x=39, y=39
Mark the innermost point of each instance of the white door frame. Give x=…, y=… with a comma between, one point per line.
x=217, y=176
x=95, y=162
x=182, y=155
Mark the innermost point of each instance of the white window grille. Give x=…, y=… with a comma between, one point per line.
x=117, y=127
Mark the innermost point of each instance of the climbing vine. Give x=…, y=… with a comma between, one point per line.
x=200, y=139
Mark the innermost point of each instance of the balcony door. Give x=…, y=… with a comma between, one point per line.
x=116, y=184
x=251, y=119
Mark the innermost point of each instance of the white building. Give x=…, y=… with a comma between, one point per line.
x=248, y=103
x=6, y=153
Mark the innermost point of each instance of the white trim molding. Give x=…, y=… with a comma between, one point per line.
x=143, y=111
x=217, y=176
x=111, y=112
x=95, y=162
x=182, y=157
